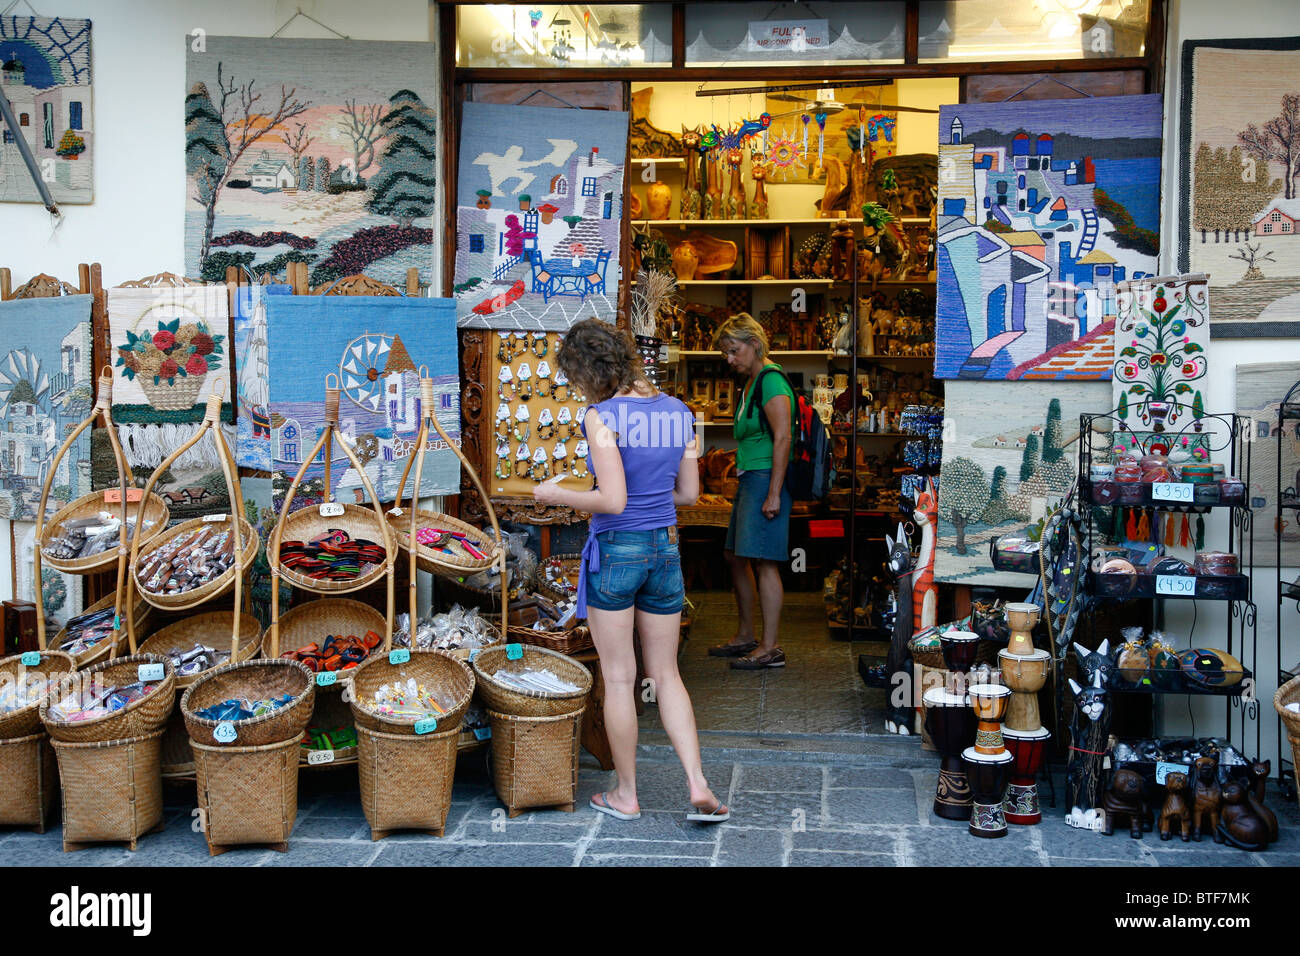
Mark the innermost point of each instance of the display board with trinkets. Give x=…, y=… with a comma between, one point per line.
x=537, y=430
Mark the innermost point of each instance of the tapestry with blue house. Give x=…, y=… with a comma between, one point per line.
x=539, y=202
x=1043, y=207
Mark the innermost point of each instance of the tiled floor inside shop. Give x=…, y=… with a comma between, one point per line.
x=799, y=754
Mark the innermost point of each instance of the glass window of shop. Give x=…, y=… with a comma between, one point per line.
x=814, y=34
x=560, y=35
x=995, y=30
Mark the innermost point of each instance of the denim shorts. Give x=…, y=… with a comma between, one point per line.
x=637, y=568
x=751, y=534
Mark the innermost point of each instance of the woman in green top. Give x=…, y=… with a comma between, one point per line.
x=758, y=536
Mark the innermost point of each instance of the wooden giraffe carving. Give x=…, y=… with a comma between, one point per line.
x=737, y=206
x=691, y=198
x=925, y=598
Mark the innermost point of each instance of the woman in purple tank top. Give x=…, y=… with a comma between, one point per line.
x=643, y=454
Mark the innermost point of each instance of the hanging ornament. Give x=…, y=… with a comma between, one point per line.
x=806, y=120
x=821, y=136
x=862, y=138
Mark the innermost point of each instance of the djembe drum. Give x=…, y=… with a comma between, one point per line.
x=1028, y=749
x=988, y=762
x=951, y=723
x=1025, y=675
x=959, y=649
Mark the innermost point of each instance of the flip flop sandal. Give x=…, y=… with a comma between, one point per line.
x=732, y=650
x=604, y=807
x=719, y=814
x=775, y=658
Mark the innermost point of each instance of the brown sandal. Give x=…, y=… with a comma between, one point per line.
x=732, y=650
x=773, y=658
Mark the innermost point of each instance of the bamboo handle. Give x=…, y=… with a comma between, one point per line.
x=332, y=393
x=104, y=391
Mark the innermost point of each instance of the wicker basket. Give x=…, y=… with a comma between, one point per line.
x=176, y=757
x=703, y=516
x=1286, y=694
x=211, y=629
x=357, y=520
x=435, y=562
x=312, y=622
x=200, y=595
x=27, y=720
x=112, y=790
x=31, y=781
x=256, y=680
x=137, y=719
x=545, y=588
x=928, y=656
x=527, y=703
x=331, y=711
x=247, y=794
x=535, y=760
x=155, y=511
x=573, y=641
x=101, y=650
x=406, y=780
x=447, y=677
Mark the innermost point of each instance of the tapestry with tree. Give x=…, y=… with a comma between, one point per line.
x=315, y=151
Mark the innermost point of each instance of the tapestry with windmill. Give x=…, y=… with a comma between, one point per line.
x=315, y=151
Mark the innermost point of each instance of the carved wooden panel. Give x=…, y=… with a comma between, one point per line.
x=43, y=286
x=161, y=280
x=1048, y=86
x=357, y=285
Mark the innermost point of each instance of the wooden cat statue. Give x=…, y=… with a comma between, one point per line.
x=691, y=198
x=713, y=208
x=1089, y=735
x=1239, y=825
x=1207, y=799
x=899, y=714
x=758, y=173
x=1259, y=772
x=1176, y=808
x=736, y=205
x=925, y=597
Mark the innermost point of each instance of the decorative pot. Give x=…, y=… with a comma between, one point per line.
x=685, y=261
x=658, y=199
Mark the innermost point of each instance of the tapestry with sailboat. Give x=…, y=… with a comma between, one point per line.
x=253, y=424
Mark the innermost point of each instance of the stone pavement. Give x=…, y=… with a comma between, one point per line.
x=813, y=808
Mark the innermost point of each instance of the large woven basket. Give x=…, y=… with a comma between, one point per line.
x=307, y=523
x=446, y=677
x=521, y=703
x=1286, y=694
x=406, y=781
x=31, y=781
x=27, y=720
x=313, y=621
x=137, y=719
x=435, y=562
x=535, y=760
x=155, y=511
x=212, y=629
x=247, y=794
x=573, y=641
x=102, y=650
x=256, y=680
x=213, y=589
x=112, y=790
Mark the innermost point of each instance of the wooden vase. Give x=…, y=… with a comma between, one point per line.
x=658, y=200
x=685, y=262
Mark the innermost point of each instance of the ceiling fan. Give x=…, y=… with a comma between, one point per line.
x=825, y=102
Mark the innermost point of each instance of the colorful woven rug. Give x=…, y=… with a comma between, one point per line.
x=1043, y=207
x=1260, y=389
x=63, y=594
x=539, y=202
x=253, y=423
x=376, y=345
x=45, y=391
x=316, y=151
x=1010, y=453
x=1239, y=207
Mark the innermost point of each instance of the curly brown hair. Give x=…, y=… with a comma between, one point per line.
x=600, y=359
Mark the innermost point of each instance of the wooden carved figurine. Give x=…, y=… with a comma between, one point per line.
x=837, y=188
x=737, y=207
x=713, y=187
x=925, y=598
x=1092, y=663
x=1124, y=800
x=1207, y=799
x=1089, y=733
x=899, y=714
x=1176, y=808
x=658, y=200
x=1240, y=826
x=1259, y=771
x=691, y=198
x=758, y=173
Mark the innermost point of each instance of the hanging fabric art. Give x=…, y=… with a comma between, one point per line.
x=252, y=365
x=45, y=391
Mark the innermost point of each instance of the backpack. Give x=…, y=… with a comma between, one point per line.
x=811, y=471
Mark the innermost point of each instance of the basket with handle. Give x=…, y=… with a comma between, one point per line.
x=108, y=647
x=360, y=523
x=530, y=703
x=211, y=629
x=138, y=718
x=256, y=680
x=156, y=517
x=447, y=678
x=26, y=720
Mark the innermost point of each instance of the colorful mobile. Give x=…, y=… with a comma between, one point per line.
x=782, y=151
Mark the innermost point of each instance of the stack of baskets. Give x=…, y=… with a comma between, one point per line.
x=109, y=765
x=246, y=771
x=407, y=765
x=27, y=765
x=534, y=734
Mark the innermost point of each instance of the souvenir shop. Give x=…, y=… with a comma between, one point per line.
x=267, y=476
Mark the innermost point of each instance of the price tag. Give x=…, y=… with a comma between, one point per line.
x=514, y=652
x=113, y=496
x=326, y=678
x=1171, y=491
x=117, y=622
x=1163, y=770
x=1176, y=585
x=482, y=733
x=331, y=509
x=473, y=655
x=225, y=732
x=395, y=511
x=426, y=726
x=213, y=519
x=151, y=672
x=399, y=656
x=31, y=659
x=317, y=757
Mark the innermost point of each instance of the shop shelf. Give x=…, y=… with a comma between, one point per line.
x=659, y=161
x=1139, y=494
x=1175, y=683
x=1231, y=587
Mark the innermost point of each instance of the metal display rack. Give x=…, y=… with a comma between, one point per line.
x=1288, y=508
